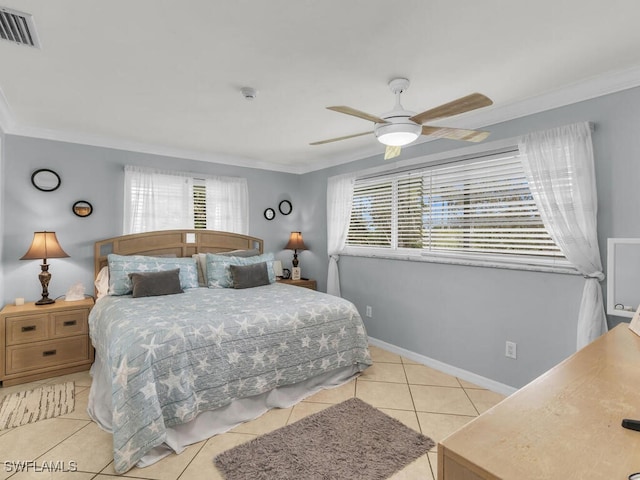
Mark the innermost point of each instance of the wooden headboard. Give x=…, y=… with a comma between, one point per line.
x=181, y=243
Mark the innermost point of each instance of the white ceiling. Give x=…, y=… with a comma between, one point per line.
x=164, y=76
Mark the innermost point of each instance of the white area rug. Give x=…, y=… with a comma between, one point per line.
x=40, y=403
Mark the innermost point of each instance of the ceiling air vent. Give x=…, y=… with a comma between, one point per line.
x=18, y=27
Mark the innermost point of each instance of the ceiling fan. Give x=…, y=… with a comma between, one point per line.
x=400, y=127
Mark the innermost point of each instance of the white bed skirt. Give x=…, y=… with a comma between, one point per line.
x=208, y=424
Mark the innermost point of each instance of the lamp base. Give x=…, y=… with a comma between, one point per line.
x=45, y=301
x=45, y=277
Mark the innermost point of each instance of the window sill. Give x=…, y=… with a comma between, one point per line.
x=516, y=264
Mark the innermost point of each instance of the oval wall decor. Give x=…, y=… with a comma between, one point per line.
x=82, y=208
x=45, y=180
x=285, y=207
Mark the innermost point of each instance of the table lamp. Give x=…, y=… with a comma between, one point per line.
x=295, y=243
x=44, y=245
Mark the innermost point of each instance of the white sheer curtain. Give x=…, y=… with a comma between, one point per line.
x=560, y=170
x=156, y=200
x=227, y=204
x=339, y=202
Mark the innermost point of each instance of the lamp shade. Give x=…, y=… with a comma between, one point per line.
x=295, y=242
x=44, y=245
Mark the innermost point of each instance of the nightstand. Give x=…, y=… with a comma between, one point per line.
x=306, y=283
x=42, y=341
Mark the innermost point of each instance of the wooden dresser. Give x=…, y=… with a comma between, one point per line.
x=41, y=341
x=563, y=425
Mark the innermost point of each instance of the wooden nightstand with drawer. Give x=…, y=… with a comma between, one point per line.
x=41, y=341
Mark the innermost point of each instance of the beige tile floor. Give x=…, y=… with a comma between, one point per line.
x=425, y=399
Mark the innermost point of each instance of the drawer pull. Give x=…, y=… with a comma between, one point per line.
x=28, y=328
x=48, y=353
x=69, y=323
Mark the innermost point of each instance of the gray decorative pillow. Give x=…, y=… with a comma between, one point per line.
x=151, y=284
x=248, y=276
x=201, y=261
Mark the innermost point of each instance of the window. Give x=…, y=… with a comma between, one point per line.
x=199, y=204
x=479, y=208
x=164, y=200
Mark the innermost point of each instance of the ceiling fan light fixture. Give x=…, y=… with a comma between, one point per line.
x=397, y=134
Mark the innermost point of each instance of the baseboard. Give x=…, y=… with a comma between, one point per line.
x=446, y=368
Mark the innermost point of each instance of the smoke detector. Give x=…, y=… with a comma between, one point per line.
x=249, y=93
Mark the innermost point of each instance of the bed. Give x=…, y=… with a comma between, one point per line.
x=174, y=369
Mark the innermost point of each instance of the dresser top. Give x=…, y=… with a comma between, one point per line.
x=566, y=424
x=31, y=307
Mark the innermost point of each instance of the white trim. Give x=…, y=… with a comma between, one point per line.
x=494, y=261
x=465, y=375
x=597, y=86
x=139, y=147
x=593, y=87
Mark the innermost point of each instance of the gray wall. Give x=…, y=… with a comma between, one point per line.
x=97, y=175
x=463, y=315
x=455, y=314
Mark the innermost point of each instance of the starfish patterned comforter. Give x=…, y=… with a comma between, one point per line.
x=174, y=356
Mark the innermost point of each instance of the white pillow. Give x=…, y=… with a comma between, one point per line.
x=201, y=262
x=102, y=282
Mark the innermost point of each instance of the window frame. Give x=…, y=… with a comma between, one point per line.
x=509, y=261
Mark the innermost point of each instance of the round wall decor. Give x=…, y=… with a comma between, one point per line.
x=269, y=214
x=285, y=207
x=45, y=180
x=82, y=208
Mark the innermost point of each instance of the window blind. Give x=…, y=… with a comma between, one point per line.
x=199, y=204
x=476, y=206
x=371, y=214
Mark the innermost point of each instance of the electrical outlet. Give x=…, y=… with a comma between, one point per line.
x=369, y=311
x=510, y=350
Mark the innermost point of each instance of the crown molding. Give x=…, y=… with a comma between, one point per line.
x=593, y=87
x=590, y=88
x=587, y=89
x=141, y=147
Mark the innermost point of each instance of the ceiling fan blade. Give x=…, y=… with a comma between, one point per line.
x=456, y=107
x=322, y=142
x=391, y=152
x=455, y=133
x=357, y=113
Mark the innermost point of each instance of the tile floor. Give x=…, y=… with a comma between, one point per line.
x=426, y=400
